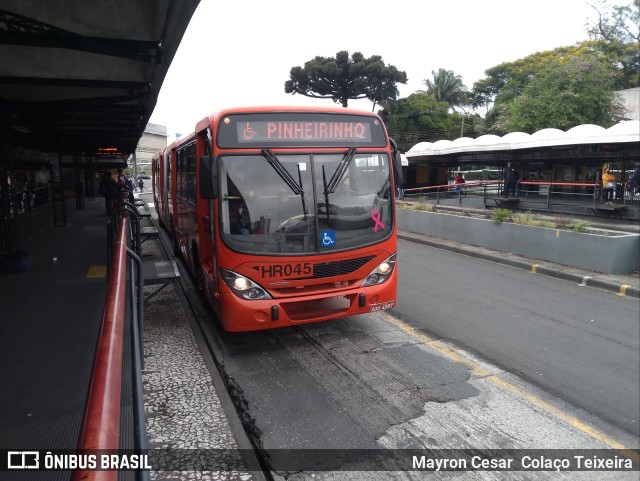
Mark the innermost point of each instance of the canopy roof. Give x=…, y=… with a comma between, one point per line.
x=80, y=76
x=581, y=140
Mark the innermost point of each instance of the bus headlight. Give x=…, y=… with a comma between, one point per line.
x=381, y=273
x=242, y=286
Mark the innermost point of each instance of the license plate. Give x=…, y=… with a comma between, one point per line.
x=382, y=306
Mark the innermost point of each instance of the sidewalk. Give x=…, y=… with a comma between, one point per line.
x=189, y=413
x=622, y=284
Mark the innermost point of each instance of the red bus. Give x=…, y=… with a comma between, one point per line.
x=283, y=215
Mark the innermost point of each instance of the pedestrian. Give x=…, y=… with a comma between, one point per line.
x=634, y=181
x=125, y=186
x=110, y=189
x=509, y=180
x=457, y=181
x=141, y=184
x=28, y=198
x=608, y=186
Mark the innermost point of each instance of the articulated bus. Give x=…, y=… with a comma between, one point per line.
x=283, y=215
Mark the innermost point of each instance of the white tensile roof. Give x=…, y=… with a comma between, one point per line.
x=626, y=131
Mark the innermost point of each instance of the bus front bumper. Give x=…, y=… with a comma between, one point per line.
x=242, y=315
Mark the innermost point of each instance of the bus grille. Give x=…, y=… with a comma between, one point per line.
x=329, y=269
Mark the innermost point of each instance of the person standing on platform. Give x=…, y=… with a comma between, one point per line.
x=608, y=186
x=124, y=185
x=634, y=182
x=110, y=189
x=509, y=180
x=458, y=180
x=141, y=184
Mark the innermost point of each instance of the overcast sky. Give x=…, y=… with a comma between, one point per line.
x=240, y=53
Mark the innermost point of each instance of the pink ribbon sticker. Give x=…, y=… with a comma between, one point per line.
x=375, y=215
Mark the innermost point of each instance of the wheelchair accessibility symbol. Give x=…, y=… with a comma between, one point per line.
x=328, y=238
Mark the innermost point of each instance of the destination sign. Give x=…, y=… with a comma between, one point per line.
x=297, y=129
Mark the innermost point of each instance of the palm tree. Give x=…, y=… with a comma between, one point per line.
x=447, y=87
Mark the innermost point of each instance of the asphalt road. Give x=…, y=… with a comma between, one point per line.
x=579, y=343
x=449, y=368
x=311, y=395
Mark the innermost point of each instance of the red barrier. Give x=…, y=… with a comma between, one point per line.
x=101, y=426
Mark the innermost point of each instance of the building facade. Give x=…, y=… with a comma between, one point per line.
x=154, y=138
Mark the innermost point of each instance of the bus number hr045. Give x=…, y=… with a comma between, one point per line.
x=300, y=269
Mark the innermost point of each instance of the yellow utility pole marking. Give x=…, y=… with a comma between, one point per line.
x=623, y=290
x=451, y=353
x=96, y=272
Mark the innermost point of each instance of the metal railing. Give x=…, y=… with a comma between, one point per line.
x=546, y=193
x=448, y=191
x=100, y=427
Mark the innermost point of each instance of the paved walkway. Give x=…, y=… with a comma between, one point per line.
x=190, y=416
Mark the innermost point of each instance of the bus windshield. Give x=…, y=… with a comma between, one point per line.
x=319, y=203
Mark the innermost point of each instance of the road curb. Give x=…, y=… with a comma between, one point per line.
x=620, y=289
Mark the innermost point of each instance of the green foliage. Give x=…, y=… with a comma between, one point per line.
x=421, y=118
x=500, y=215
x=618, y=31
x=448, y=87
x=527, y=218
x=345, y=78
x=564, y=93
x=579, y=227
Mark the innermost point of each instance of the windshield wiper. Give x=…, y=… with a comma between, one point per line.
x=282, y=172
x=339, y=173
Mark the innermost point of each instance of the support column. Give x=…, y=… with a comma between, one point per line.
x=57, y=191
x=77, y=178
x=9, y=201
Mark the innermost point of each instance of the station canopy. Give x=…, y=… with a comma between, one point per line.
x=80, y=77
x=588, y=141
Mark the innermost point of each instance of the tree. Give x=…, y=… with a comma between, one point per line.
x=420, y=117
x=446, y=86
x=382, y=81
x=616, y=23
x=562, y=95
x=618, y=30
x=505, y=83
x=345, y=78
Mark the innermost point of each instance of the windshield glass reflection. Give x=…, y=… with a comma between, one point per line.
x=286, y=205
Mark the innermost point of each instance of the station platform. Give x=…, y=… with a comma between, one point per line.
x=51, y=316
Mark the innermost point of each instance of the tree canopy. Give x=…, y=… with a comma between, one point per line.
x=618, y=30
x=558, y=88
x=345, y=78
x=561, y=95
x=448, y=87
x=420, y=117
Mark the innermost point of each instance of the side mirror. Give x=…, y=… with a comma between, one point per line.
x=397, y=167
x=397, y=162
x=208, y=184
